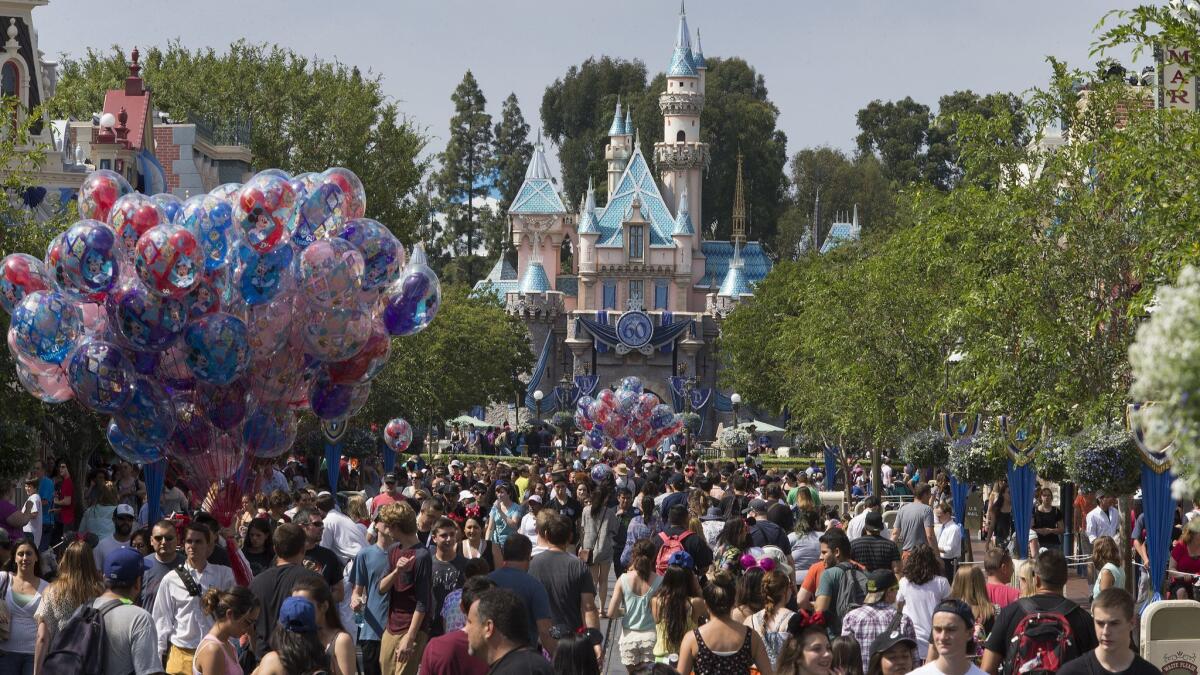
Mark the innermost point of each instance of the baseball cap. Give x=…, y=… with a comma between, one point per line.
x=389, y=478
x=124, y=565
x=757, y=505
x=682, y=559
x=536, y=499
x=455, y=464
x=888, y=639
x=464, y=495
x=879, y=582
x=298, y=615
x=873, y=521
x=958, y=608
x=125, y=510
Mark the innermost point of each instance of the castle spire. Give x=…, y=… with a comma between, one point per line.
x=681, y=58
x=617, y=129
x=739, y=207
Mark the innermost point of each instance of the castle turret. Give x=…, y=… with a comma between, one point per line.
x=681, y=157
x=620, y=146
x=684, y=236
x=698, y=60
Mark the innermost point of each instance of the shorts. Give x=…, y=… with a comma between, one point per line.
x=636, y=647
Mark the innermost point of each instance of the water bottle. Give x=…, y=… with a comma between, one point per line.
x=358, y=617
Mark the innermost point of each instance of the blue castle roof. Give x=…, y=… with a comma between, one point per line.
x=588, y=223
x=718, y=254
x=735, y=284
x=636, y=182
x=683, y=216
x=500, y=281
x=698, y=53
x=535, y=280
x=538, y=193
x=618, y=127
x=681, y=57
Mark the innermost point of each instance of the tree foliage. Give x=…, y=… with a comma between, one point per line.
x=511, y=152
x=842, y=184
x=463, y=176
x=305, y=114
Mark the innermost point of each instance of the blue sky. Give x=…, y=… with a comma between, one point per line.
x=822, y=60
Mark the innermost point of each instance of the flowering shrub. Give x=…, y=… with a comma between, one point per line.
x=563, y=421
x=982, y=459
x=733, y=438
x=925, y=449
x=1051, y=459
x=692, y=421
x=1165, y=360
x=1104, y=458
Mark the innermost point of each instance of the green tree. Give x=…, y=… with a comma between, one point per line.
x=468, y=356
x=511, y=152
x=896, y=132
x=305, y=114
x=843, y=184
x=464, y=167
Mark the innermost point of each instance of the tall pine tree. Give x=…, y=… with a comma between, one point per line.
x=512, y=151
x=465, y=163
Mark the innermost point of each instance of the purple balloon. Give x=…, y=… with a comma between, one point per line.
x=147, y=322
x=101, y=376
x=144, y=362
x=621, y=443
x=193, y=433
x=225, y=406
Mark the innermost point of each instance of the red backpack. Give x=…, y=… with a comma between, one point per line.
x=1042, y=640
x=669, y=546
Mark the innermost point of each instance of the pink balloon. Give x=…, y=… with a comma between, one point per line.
x=51, y=387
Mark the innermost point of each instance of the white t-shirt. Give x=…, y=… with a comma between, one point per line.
x=885, y=474
x=932, y=669
x=33, y=505
x=949, y=538
x=528, y=526
x=919, y=602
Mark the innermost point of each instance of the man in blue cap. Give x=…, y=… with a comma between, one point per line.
x=132, y=641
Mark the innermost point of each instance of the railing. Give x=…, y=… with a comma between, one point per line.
x=237, y=131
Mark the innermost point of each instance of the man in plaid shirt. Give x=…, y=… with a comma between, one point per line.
x=874, y=616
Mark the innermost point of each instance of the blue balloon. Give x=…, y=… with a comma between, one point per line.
x=101, y=376
x=144, y=363
x=83, y=260
x=149, y=417
x=269, y=432
x=217, y=349
x=632, y=383
x=130, y=450
x=382, y=252
x=318, y=210
x=147, y=321
x=170, y=204
x=210, y=220
x=46, y=326
x=263, y=275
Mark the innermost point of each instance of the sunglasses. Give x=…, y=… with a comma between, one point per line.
x=159, y=537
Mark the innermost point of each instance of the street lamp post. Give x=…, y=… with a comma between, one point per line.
x=736, y=399
x=537, y=399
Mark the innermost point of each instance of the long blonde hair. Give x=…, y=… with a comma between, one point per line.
x=970, y=586
x=77, y=582
x=356, y=509
x=1028, y=577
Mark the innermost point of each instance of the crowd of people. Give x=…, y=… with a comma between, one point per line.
x=503, y=566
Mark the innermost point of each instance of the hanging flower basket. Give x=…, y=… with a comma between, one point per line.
x=359, y=443
x=980, y=460
x=1104, y=458
x=925, y=449
x=692, y=421
x=1052, y=459
x=563, y=421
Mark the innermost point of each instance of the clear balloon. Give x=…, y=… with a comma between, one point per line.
x=101, y=377
x=382, y=253
x=168, y=260
x=335, y=402
x=354, y=204
x=193, y=432
x=99, y=192
x=262, y=210
x=145, y=321
x=336, y=334
x=171, y=205
x=129, y=449
x=268, y=327
x=217, y=348
x=83, y=260
x=20, y=275
x=46, y=326
x=225, y=406
x=49, y=386
x=226, y=191
x=131, y=217
x=149, y=417
x=397, y=434
x=413, y=302
x=330, y=273
x=366, y=364
x=269, y=432
x=632, y=383
x=262, y=276
x=318, y=209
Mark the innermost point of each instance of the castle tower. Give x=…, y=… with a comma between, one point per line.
x=620, y=146
x=681, y=157
x=739, y=208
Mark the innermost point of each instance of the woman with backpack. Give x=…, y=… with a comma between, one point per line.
x=77, y=584
x=22, y=586
x=676, y=607
x=771, y=623
x=596, y=546
x=631, y=600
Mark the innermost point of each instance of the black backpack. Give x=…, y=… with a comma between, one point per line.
x=852, y=590
x=79, y=646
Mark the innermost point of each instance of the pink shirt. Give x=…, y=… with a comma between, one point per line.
x=1002, y=595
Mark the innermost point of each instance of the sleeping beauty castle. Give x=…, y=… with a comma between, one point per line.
x=631, y=287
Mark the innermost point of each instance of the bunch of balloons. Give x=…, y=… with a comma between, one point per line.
x=398, y=434
x=204, y=327
x=628, y=415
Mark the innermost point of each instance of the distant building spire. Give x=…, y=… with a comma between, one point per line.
x=617, y=128
x=739, y=207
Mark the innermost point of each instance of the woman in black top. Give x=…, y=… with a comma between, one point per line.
x=1047, y=522
x=257, y=547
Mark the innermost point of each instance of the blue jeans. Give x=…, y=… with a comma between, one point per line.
x=12, y=663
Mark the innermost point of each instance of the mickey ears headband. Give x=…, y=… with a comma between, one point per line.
x=748, y=562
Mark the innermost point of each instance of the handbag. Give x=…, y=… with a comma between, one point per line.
x=5, y=616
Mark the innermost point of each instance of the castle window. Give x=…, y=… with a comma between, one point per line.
x=636, y=245
x=635, y=292
x=681, y=136
x=10, y=79
x=660, y=294
x=610, y=294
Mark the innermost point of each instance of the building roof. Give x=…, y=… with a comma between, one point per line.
x=567, y=284
x=636, y=183
x=538, y=193
x=735, y=283
x=588, y=223
x=842, y=232
x=698, y=53
x=618, y=126
x=681, y=57
x=535, y=280
x=683, y=216
x=718, y=254
x=500, y=281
